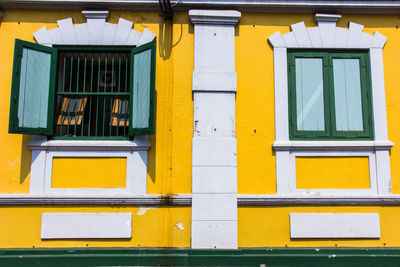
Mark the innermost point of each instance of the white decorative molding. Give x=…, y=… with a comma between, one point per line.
x=287, y=182
x=138, y=144
x=95, y=14
x=332, y=145
x=334, y=225
x=86, y=225
x=327, y=35
x=214, y=81
x=267, y=200
x=218, y=17
x=214, y=234
x=214, y=160
x=95, y=32
x=44, y=151
x=326, y=18
x=333, y=37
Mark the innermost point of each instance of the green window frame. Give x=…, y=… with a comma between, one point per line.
x=330, y=130
x=141, y=93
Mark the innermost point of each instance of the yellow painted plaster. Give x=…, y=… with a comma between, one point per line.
x=169, y=162
x=332, y=172
x=88, y=173
x=151, y=227
x=269, y=227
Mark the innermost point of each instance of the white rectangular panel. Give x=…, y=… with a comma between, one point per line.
x=214, y=207
x=334, y=225
x=86, y=225
x=214, y=114
x=214, y=81
x=214, y=180
x=214, y=234
x=214, y=152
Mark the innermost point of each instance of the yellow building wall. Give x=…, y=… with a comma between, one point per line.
x=169, y=163
x=270, y=227
x=151, y=227
x=88, y=173
x=169, y=160
x=332, y=172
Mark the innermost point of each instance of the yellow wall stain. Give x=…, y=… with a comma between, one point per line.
x=332, y=172
x=88, y=173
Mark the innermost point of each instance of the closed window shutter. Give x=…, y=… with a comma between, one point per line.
x=32, y=90
x=142, y=93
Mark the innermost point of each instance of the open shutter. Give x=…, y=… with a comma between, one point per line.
x=32, y=89
x=142, y=90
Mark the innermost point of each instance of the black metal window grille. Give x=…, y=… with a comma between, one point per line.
x=92, y=96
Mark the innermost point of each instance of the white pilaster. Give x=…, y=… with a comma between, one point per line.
x=214, y=186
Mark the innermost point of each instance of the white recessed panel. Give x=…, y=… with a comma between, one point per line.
x=214, y=180
x=214, y=207
x=214, y=152
x=86, y=225
x=334, y=225
x=214, y=234
x=214, y=81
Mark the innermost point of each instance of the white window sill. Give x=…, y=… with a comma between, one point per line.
x=332, y=145
x=138, y=144
x=43, y=152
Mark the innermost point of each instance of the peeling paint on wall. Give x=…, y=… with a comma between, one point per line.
x=180, y=226
x=143, y=210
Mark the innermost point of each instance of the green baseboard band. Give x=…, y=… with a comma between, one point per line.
x=187, y=257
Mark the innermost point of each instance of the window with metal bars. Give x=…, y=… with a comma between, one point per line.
x=89, y=92
x=92, y=96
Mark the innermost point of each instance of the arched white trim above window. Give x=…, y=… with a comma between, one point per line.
x=94, y=32
x=327, y=36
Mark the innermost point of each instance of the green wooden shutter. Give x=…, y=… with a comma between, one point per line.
x=142, y=90
x=32, y=89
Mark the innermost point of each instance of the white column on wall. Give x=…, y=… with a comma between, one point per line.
x=214, y=171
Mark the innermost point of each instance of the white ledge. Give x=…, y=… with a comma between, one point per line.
x=327, y=17
x=225, y=17
x=138, y=144
x=95, y=14
x=332, y=145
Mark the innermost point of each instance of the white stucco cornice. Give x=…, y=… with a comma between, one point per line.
x=327, y=35
x=268, y=6
x=95, y=14
x=327, y=18
x=225, y=17
x=95, y=32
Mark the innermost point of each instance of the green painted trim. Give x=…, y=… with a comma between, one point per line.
x=189, y=257
x=151, y=128
x=330, y=132
x=101, y=48
x=19, y=44
x=109, y=138
x=13, y=121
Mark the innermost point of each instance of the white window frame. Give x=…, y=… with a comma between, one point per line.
x=95, y=32
x=327, y=36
